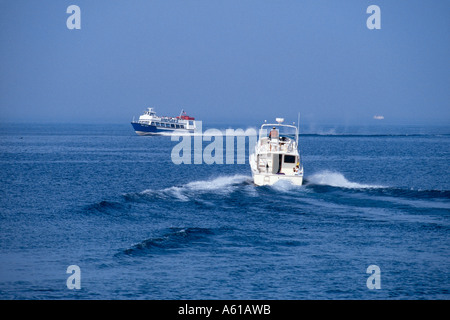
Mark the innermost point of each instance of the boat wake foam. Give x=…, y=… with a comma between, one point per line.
x=229, y=192
x=337, y=179
x=222, y=185
x=284, y=186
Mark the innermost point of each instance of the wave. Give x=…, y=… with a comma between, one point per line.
x=375, y=196
x=175, y=238
x=337, y=179
x=222, y=185
x=238, y=192
x=105, y=206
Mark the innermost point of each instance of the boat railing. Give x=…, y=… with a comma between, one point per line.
x=288, y=130
x=161, y=120
x=276, y=144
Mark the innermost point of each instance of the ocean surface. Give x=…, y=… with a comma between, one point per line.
x=139, y=226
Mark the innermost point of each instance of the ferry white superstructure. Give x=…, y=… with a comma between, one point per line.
x=151, y=124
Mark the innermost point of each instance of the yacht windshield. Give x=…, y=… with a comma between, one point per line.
x=278, y=130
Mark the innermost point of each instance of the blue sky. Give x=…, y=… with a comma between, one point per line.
x=224, y=61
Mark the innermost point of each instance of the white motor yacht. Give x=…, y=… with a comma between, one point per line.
x=276, y=156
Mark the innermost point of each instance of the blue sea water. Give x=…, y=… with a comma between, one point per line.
x=140, y=227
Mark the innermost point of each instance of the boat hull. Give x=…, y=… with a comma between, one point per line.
x=148, y=130
x=264, y=179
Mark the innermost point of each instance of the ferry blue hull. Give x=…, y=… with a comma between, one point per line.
x=145, y=129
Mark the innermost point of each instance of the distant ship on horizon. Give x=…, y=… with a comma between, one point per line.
x=151, y=124
x=376, y=117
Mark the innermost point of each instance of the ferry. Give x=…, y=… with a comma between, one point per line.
x=276, y=156
x=151, y=124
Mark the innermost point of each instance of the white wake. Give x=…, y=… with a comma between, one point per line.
x=337, y=179
x=223, y=185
